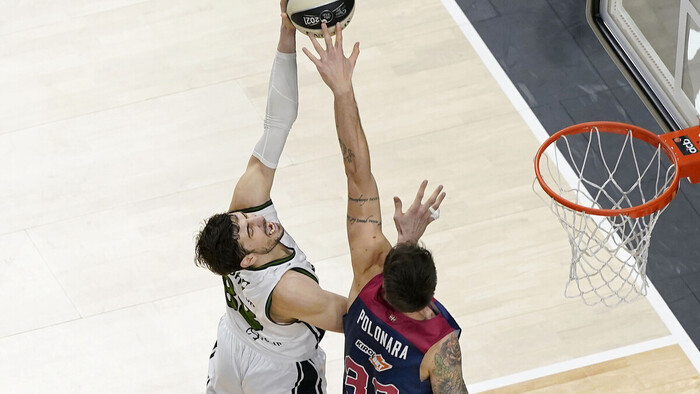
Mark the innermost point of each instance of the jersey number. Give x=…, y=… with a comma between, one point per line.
x=233, y=303
x=357, y=378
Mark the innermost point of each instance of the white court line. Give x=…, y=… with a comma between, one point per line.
x=662, y=310
x=572, y=364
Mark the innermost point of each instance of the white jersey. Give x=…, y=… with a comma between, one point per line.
x=249, y=294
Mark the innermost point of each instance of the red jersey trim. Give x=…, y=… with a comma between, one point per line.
x=423, y=334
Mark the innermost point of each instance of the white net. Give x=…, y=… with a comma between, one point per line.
x=606, y=171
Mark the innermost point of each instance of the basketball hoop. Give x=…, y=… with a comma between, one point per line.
x=607, y=213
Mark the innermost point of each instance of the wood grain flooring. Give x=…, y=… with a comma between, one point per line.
x=125, y=123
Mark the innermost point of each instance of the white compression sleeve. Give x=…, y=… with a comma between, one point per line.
x=281, y=112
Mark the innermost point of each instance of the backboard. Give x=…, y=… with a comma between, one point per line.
x=656, y=44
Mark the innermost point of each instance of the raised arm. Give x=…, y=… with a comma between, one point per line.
x=253, y=188
x=368, y=245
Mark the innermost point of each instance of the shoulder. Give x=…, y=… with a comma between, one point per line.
x=294, y=283
x=295, y=292
x=447, y=346
x=443, y=364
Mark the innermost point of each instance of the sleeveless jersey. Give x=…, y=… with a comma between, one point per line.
x=249, y=294
x=384, y=348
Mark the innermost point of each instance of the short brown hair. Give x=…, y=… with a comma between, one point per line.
x=217, y=247
x=410, y=277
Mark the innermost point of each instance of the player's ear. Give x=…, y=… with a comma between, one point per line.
x=248, y=260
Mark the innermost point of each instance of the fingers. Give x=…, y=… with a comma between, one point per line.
x=355, y=53
x=431, y=204
x=283, y=5
x=326, y=35
x=311, y=57
x=338, y=36
x=316, y=44
x=397, y=214
x=398, y=205
x=437, y=203
x=420, y=193
x=434, y=196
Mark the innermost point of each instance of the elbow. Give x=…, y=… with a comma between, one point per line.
x=283, y=119
x=354, y=178
x=358, y=177
x=357, y=169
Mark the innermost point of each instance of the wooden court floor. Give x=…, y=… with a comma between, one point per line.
x=124, y=123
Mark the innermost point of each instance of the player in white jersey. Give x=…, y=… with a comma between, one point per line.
x=267, y=342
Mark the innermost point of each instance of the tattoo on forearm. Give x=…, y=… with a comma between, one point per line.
x=447, y=375
x=362, y=199
x=369, y=220
x=348, y=156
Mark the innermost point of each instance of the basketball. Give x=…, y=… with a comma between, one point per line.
x=307, y=15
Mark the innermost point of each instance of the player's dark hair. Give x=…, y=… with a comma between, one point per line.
x=217, y=246
x=410, y=277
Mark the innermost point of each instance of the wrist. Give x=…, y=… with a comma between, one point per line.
x=287, y=42
x=406, y=240
x=342, y=92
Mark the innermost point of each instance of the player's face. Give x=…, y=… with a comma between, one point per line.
x=255, y=234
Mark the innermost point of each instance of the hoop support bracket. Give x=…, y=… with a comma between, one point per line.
x=685, y=146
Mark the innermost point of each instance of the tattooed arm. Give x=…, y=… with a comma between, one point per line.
x=368, y=245
x=443, y=365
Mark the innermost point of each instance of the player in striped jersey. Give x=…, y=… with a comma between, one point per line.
x=398, y=338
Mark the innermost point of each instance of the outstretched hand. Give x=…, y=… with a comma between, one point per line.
x=335, y=69
x=412, y=224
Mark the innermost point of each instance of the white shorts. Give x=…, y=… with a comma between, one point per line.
x=235, y=368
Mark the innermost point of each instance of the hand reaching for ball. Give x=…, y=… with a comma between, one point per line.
x=335, y=69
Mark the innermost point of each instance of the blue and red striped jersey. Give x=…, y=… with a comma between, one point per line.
x=384, y=348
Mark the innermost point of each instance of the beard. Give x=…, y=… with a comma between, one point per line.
x=273, y=240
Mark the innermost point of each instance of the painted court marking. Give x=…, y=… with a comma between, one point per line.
x=572, y=364
x=678, y=334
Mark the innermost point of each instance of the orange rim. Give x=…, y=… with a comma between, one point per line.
x=617, y=128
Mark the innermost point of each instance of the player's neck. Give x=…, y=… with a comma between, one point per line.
x=278, y=252
x=423, y=314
